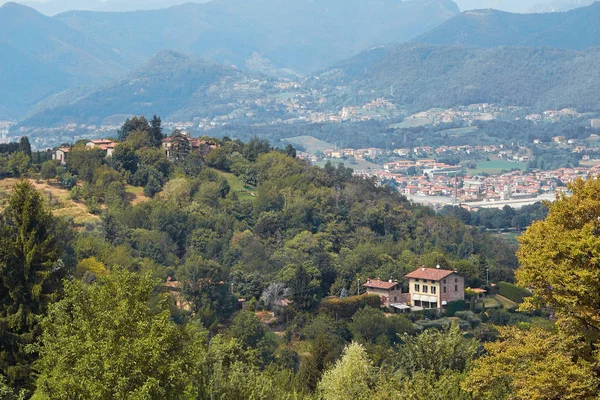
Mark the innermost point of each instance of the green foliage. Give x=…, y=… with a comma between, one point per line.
x=372, y=326
x=531, y=364
x=30, y=279
x=513, y=292
x=454, y=306
x=139, y=124
x=352, y=377
x=138, y=352
x=436, y=351
x=49, y=170
x=347, y=307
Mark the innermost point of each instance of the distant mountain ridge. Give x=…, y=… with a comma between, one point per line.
x=41, y=56
x=301, y=35
x=576, y=29
x=423, y=76
x=170, y=84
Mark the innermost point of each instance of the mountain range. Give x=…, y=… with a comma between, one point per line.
x=89, y=66
x=45, y=56
x=42, y=56
x=575, y=29
x=422, y=76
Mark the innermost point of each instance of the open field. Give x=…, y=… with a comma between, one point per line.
x=359, y=165
x=310, y=143
x=459, y=131
x=496, y=167
x=135, y=195
x=413, y=122
x=57, y=198
x=504, y=302
x=237, y=186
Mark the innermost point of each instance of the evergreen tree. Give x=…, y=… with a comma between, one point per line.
x=25, y=146
x=132, y=125
x=180, y=147
x=155, y=131
x=30, y=279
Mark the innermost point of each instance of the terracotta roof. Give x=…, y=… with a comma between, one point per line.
x=378, y=284
x=432, y=274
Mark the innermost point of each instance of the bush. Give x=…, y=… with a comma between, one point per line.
x=469, y=317
x=442, y=323
x=513, y=292
x=347, y=307
x=454, y=306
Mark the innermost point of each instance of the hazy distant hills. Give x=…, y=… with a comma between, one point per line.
x=41, y=56
x=575, y=29
x=170, y=84
x=422, y=76
x=304, y=36
x=53, y=7
x=523, y=6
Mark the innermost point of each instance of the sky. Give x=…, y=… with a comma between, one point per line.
x=52, y=7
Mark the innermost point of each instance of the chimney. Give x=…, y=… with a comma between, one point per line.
x=438, y=266
x=423, y=269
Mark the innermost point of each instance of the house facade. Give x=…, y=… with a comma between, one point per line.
x=61, y=155
x=390, y=291
x=434, y=287
x=105, y=144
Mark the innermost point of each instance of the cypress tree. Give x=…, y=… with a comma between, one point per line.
x=30, y=279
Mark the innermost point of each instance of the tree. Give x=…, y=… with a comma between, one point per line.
x=132, y=125
x=152, y=187
x=30, y=278
x=180, y=146
x=124, y=158
x=25, y=146
x=155, y=131
x=49, y=170
x=110, y=340
x=303, y=281
x=531, y=364
x=437, y=352
x=352, y=377
x=560, y=261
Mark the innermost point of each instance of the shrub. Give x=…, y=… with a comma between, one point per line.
x=347, y=307
x=469, y=317
x=441, y=323
x=454, y=306
x=513, y=292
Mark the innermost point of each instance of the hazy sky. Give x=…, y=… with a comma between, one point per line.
x=51, y=7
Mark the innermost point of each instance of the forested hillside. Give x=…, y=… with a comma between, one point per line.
x=235, y=276
x=423, y=76
x=576, y=29
x=177, y=85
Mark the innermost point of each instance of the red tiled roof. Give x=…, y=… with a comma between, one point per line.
x=378, y=284
x=432, y=274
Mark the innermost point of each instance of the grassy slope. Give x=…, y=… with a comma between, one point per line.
x=496, y=167
x=238, y=187
x=57, y=198
x=310, y=143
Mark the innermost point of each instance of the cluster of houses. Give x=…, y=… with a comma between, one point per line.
x=108, y=147
x=428, y=288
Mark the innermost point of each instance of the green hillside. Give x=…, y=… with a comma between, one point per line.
x=576, y=29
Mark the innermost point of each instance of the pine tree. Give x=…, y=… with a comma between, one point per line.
x=30, y=279
x=25, y=146
x=155, y=131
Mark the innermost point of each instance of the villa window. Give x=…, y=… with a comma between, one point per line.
x=433, y=290
x=456, y=288
x=424, y=289
x=417, y=287
x=444, y=289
